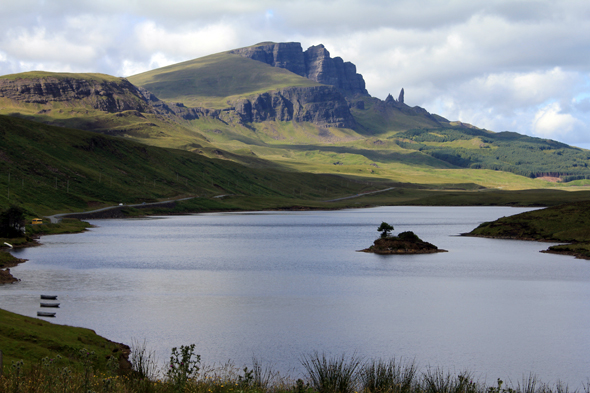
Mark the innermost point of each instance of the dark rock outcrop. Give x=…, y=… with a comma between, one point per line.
x=175, y=108
x=105, y=95
x=288, y=55
x=315, y=63
x=321, y=105
x=390, y=102
x=321, y=68
x=113, y=96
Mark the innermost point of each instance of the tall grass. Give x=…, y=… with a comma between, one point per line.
x=332, y=374
x=323, y=374
x=378, y=376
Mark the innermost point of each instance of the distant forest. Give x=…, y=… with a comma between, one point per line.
x=502, y=151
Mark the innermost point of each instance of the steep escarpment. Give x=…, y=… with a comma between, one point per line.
x=103, y=93
x=321, y=105
x=322, y=68
x=91, y=91
x=315, y=63
x=288, y=55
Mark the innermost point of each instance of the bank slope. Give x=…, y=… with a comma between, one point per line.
x=567, y=223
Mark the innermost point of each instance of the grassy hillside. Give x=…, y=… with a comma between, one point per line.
x=568, y=223
x=215, y=81
x=50, y=169
x=61, y=75
x=32, y=339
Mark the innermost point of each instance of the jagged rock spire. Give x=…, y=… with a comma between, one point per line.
x=401, y=96
x=389, y=99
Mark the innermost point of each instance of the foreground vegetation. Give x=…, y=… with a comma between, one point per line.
x=322, y=374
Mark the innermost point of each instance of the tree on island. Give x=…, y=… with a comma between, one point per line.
x=385, y=228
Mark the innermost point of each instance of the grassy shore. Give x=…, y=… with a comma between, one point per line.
x=31, y=340
x=322, y=374
x=567, y=223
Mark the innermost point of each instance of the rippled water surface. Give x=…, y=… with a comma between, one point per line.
x=276, y=285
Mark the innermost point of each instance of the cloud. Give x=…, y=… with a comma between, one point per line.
x=187, y=41
x=549, y=122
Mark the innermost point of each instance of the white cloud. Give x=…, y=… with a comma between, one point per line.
x=39, y=44
x=157, y=60
x=191, y=42
x=549, y=122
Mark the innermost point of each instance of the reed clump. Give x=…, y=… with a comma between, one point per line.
x=185, y=373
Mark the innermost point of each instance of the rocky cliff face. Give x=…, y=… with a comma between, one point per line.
x=321, y=68
x=315, y=63
x=321, y=105
x=288, y=55
x=104, y=95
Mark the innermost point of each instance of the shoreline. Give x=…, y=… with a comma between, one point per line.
x=574, y=254
x=5, y=276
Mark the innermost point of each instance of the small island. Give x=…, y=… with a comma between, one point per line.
x=404, y=243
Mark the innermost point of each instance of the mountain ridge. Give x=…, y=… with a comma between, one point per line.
x=246, y=103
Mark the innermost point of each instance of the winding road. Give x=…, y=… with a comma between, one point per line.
x=359, y=195
x=56, y=218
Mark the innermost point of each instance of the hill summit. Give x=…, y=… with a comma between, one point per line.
x=315, y=63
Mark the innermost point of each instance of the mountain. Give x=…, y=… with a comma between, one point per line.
x=275, y=105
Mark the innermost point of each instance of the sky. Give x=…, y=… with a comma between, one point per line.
x=502, y=65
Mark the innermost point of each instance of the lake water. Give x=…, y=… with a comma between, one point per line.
x=279, y=285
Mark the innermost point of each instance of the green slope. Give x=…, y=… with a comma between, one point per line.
x=31, y=339
x=215, y=81
x=52, y=169
x=568, y=223
x=61, y=75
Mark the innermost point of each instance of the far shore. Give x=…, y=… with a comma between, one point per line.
x=528, y=239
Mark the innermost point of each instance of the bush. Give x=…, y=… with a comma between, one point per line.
x=409, y=236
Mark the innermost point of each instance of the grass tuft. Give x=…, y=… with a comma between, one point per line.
x=337, y=374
